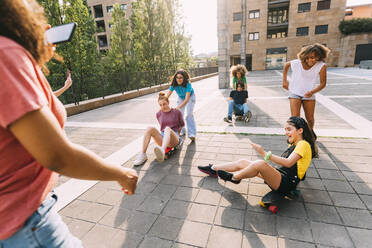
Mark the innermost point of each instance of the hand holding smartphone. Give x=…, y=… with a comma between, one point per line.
x=61, y=33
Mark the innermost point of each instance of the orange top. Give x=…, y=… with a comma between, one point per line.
x=24, y=183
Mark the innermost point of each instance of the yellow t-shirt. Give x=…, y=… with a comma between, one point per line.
x=303, y=149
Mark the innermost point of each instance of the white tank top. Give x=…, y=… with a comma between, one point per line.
x=302, y=80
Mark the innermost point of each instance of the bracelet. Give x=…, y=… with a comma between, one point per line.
x=267, y=156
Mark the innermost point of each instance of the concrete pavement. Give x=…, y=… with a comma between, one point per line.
x=177, y=206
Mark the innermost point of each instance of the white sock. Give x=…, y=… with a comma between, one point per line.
x=212, y=167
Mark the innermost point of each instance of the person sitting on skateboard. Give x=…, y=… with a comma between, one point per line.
x=294, y=162
x=238, y=103
x=171, y=123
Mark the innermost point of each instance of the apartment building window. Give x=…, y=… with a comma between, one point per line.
x=324, y=4
x=277, y=16
x=253, y=14
x=111, y=25
x=276, y=34
x=276, y=58
x=254, y=36
x=109, y=9
x=98, y=13
x=303, y=31
x=123, y=6
x=236, y=38
x=100, y=26
x=238, y=16
x=321, y=29
x=304, y=7
x=102, y=41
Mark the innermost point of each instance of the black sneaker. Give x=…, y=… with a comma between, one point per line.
x=227, y=176
x=228, y=119
x=208, y=170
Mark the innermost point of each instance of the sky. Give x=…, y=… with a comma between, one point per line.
x=200, y=18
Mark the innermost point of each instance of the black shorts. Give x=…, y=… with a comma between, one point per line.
x=287, y=184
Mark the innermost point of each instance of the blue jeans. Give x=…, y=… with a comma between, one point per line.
x=190, y=121
x=44, y=228
x=239, y=109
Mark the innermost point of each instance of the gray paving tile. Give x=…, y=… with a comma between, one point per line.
x=99, y=236
x=362, y=188
x=132, y=202
x=213, y=184
x=301, y=232
x=154, y=242
x=331, y=174
x=221, y=237
x=79, y=228
x=111, y=197
x=338, y=186
x=356, y=217
x=256, y=240
x=260, y=223
x=288, y=243
x=185, y=194
x=194, y=233
x=346, y=200
x=83, y=210
x=233, y=199
x=116, y=217
x=145, y=187
x=92, y=194
x=241, y=188
x=179, y=245
x=291, y=208
x=202, y=213
x=192, y=181
x=124, y=239
x=208, y=197
x=229, y=217
x=164, y=192
x=152, y=205
x=360, y=237
x=177, y=208
x=166, y=228
x=316, y=196
x=331, y=235
x=253, y=204
x=323, y=213
x=139, y=222
x=258, y=189
x=367, y=199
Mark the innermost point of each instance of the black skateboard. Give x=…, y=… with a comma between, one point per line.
x=271, y=199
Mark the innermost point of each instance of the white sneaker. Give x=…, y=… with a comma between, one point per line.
x=159, y=153
x=141, y=159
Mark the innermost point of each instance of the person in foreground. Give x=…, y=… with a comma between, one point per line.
x=33, y=144
x=294, y=162
x=171, y=123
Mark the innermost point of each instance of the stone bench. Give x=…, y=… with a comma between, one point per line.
x=365, y=64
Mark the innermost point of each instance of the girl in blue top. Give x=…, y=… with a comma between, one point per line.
x=186, y=99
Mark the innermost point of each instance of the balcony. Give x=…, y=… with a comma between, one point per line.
x=278, y=3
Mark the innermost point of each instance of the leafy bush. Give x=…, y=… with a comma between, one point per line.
x=358, y=25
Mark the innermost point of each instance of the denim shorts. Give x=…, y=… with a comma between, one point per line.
x=44, y=228
x=291, y=95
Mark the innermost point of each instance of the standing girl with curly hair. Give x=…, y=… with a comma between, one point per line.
x=302, y=85
x=238, y=73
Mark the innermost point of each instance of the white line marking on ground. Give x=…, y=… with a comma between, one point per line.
x=354, y=96
x=349, y=76
x=360, y=123
x=73, y=188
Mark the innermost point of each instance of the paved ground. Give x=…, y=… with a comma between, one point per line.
x=176, y=206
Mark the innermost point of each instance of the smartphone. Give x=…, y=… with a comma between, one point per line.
x=61, y=33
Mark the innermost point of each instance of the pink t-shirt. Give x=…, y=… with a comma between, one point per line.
x=172, y=119
x=24, y=183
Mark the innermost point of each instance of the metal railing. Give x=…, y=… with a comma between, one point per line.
x=121, y=82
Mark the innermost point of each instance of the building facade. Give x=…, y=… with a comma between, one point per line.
x=276, y=30
x=101, y=11
x=359, y=11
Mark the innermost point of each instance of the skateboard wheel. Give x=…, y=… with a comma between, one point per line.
x=273, y=209
x=263, y=204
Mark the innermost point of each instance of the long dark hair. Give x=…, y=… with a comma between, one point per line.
x=307, y=134
x=186, y=78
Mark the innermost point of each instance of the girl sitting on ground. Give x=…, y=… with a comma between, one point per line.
x=238, y=73
x=294, y=162
x=171, y=123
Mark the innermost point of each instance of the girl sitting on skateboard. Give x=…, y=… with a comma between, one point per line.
x=171, y=123
x=294, y=162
